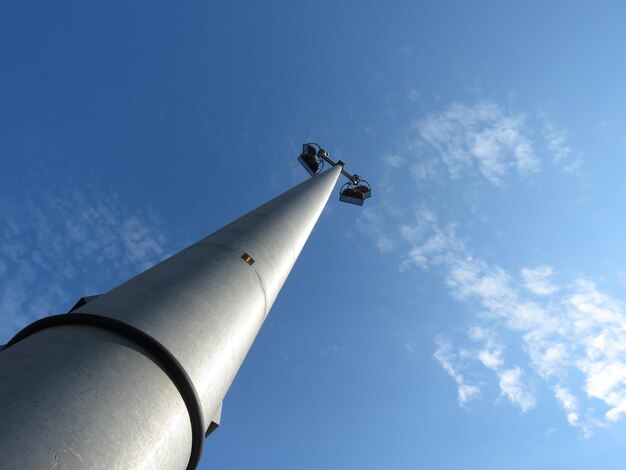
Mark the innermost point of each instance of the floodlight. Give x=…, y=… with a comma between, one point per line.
x=308, y=159
x=355, y=191
x=365, y=188
x=350, y=194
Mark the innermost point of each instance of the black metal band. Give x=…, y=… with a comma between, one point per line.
x=164, y=359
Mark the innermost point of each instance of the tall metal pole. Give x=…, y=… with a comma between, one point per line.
x=135, y=378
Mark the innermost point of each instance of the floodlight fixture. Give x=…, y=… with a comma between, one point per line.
x=363, y=187
x=350, y=194
x=355, y=191
x=309, y=159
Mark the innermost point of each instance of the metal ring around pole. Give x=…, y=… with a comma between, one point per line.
x=164, y=359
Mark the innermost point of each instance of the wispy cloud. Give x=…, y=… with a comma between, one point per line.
x=486, y=140
x=430, y=243
x=451, y=363
x=491, y=358
x=568, y=335
x=578, y=331
x=537, y=280
x=483, y=137
x=558, y=147
x=371, y=223
x=568, y=331
x=574, y=335
x=513, y=388
x=394, y=161
x=413, y=94
x=424, y=170
x=569, y=403
x=510, y=379
x=68, y=243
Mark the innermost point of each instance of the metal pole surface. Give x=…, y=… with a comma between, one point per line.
x=130, y=378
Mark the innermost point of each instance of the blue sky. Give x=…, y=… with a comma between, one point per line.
x=471, y=315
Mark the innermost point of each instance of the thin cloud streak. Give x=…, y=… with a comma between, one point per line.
x=450, y=362
x=557, y=146
x=510, y=382
x=483, y=137
x=537, y=280
x=570, y=332
x=567, y=330
x=66, y=245
x=483, y=140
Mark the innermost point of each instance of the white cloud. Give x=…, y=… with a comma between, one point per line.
x=469, y=277
x=571, y=337
x=468, y=392
x=140, y=243
x=538, y=280
x=562, y=153
x=56, y=248
x=478, y=333
x=409, y=348
x=450, y=362
x=487, y=140
x=394, y=161
x=607, y=382
x=424, y=170
x=490, y=355
x=573, y=334
x=549, y=355
x=568, y=402
x=430, y=244
x=491, y=358
x=582, y=331
x=513, y=388
x=484, y=137
x=413, y=94
x=371, y=222
x=590, y=307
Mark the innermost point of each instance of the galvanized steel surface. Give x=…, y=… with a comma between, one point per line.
x=78, y=397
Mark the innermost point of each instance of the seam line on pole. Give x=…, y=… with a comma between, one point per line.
x=233, y=250
x=163, y=358
x=265, y=309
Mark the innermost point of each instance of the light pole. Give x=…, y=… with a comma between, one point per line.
x=135, y=378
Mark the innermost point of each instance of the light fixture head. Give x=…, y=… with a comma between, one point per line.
x=309, y=160
x=365, y=188
x=350, y=194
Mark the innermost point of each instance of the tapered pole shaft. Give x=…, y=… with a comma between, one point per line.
x=134, y=377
